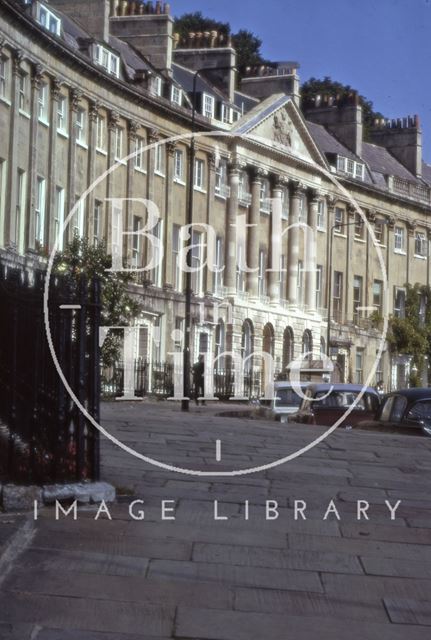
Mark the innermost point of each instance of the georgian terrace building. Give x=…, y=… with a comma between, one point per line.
x=83, y=85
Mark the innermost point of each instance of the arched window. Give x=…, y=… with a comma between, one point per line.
x=247, y=344
x=288, y=347
x=307, y=344
x=220, y=345
x=268, y=339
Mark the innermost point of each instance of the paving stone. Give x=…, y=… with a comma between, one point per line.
x=391, y=534
x=226, y=625
x=129, y=589
x=295, y=603
x=86, y=614
x=236, y=575
x=396, y=567
x=402, y=611
x=64, y=634
x=16, y=631
x=365, y=588
x=263, y=557
x=17, y=498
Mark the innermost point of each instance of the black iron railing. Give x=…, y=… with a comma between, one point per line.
x=44, y=437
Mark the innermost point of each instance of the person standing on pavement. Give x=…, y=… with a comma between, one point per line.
x=198, y=379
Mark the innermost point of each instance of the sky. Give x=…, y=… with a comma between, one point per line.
x=382, y=48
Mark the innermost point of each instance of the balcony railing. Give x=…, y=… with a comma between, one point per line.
x=223, y=191
x=412, y=191
x=244, y=198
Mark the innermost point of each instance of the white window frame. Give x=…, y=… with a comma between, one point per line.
x=5, y=78
x=43, y=103
x=219, y=266
x=157, y=86
x=221, y=178
x=359, y=366
x=319, y=287
x=177, y=275
x=300, y=283
x=226, y=114
x=3, y=179
x=208, y=105
x=118, y=143
x=139, y=145
x=420, y=245
x=176, y=95
x=47, y=19
x=137, y=242
x=160, y=160
x=21, y=208
x=400, y=240
x=339, y=220
x=378, y=292
x=97, y=222
x=81, y=127
x=107, y=60
x=23, y=93
x=78, y=220
x=261, y=286
x=399, y=311
x=197, y=260
x=199, y=175
x=179, y=166
x=321, y=216
x=40, y=210
x=157, y=232
x=59, y=217
x=62, y=114
x=101, y=134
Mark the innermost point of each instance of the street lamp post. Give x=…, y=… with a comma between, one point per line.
x=185, y=404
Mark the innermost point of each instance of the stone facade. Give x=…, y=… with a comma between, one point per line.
x=69, y=111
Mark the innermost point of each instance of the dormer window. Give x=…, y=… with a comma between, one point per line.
x=47, y=19
x=157, y=86
x=176, y=95
x=351, y=167
x=108, y=60
x=208, y=108
x=226, y=114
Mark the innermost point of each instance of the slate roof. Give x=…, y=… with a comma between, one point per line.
x=381, y=161
x=326, y=141
x=426, y=173
x=185, y=76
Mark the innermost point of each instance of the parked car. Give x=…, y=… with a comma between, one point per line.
x=285, y=402
x=325, y=404
x=405, y=410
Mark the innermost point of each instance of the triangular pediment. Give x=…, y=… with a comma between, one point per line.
x=277, y=123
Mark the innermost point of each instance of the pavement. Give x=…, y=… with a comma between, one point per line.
x=243, y=577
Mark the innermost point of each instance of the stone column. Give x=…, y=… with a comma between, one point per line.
x=132, y=130
x=253, y=234
x=52, y=198
x=168, y=225
x=113, y=119
x=93, y=114
x=11, y=223
x=293, y=244
x=275, y=246
x=311, y=253
x=75, y=97
x=331, y=202
x=31, y=186
x=231, y=229
x=208, y=274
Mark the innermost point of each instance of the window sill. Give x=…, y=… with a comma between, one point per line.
x=360, y=240
x=180, y=182
x=199, y=189
x=83, y=145
x=160, y=174
x=321, y=229
x=400, y=252
x=138, y=170
x=45, y=123
x=220, y=196
x=63, y=134
x=340, y=235
x=419, y=257
x=120, y=161
x=101, y=151
x=5, y=101
x=24, y=114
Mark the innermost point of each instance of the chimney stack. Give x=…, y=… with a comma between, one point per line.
x=92, y=16
x=263, y=81
x=147, y=26
x=403, y=138
x=209, y=49
x=341, y=115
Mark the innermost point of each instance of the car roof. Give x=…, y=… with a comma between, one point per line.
x=289, y=385
x=355, y=388
x=412, y=394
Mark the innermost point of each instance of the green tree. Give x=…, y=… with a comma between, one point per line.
x=314, y=87
x=119, y=307
x=411, y=335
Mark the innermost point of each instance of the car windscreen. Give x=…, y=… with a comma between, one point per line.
x=287, y=398
x=345, y=399
x=421, y=411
